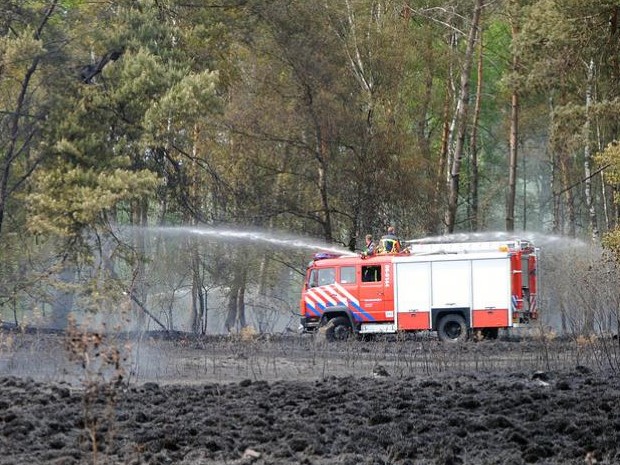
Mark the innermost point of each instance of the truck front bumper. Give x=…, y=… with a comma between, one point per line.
x=309, y=324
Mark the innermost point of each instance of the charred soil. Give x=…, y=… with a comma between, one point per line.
x=301, y=401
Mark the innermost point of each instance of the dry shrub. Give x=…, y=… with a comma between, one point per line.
x=585, y=341
x=545, y=333
x=102, y=363
x=248, y=334
x=7, y=341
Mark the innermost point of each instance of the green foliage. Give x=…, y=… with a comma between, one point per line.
x=69, y=199
x=609, y=159
x=324, y=119
x=184, y=102
x=16, y=54
x=611, y=241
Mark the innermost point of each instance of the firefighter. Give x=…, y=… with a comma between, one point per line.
x=390, y=243
x=369, y=247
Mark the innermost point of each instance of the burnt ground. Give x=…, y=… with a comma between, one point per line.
x=301, y=401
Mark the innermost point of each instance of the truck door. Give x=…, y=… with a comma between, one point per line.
x=491, y=280
x=371, y=290
x=451, y=284
x=413, y=295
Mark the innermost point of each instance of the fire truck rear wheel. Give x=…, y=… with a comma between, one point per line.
x=452, y=328
x=338, y=329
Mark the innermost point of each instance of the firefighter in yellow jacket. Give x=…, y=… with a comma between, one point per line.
x=390, y=242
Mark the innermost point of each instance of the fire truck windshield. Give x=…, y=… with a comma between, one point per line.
x=322, y=277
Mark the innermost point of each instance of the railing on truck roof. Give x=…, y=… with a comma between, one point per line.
x=465, y=247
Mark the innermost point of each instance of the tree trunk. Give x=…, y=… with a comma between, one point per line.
x=197, y=292
x=235, y=318
x=555, y=184
x=473, y=145
x=587, y=155
x=570, y=197
x=451, y=93
x=63, y=298
x=321, y=153
x=512, y=163
x=138, y=286
x=514, y=137
x=556, y=227
x=462, y=110
x=607, y=217
x=443, y=152
x=324, y=193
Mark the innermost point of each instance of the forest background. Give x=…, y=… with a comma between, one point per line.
x=142, y=140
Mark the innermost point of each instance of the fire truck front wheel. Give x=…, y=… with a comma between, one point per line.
x=338, y=329
x=452, y=328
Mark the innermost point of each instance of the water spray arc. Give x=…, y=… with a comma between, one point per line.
x=268, y=238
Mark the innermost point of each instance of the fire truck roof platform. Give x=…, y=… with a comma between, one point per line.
x=418, y=247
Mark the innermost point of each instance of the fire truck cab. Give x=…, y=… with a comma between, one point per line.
x=454, y=289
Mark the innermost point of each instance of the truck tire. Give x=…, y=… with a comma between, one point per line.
x=338, y=329
x=452, y=328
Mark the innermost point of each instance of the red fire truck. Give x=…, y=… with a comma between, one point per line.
x=455, y=289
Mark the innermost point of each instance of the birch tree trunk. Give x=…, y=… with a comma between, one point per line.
x=463, y=106
x=361, y=66
x=443, y=177
x=587, y=154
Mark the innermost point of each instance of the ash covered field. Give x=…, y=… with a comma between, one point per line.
x=300, y=401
